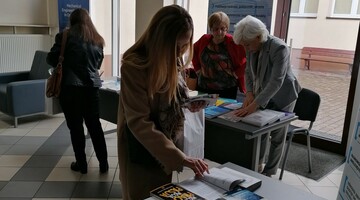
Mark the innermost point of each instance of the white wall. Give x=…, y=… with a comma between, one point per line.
x=100, y=13
x=127, y=24
x=24, y=12
x=199, y=12
x=145, y=10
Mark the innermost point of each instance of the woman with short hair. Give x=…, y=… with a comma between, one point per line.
x=270, y=82
x=218, y=61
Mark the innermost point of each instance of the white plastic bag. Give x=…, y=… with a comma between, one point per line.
x=194, y=129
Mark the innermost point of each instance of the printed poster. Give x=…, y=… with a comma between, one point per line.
x=65, y=8
x=350, y=184
x=238, y=9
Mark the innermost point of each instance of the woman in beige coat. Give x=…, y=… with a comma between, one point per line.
x=150, y=117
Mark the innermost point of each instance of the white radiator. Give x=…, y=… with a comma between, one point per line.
x=17, y=51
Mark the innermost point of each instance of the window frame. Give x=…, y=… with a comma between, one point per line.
x=301, y=12
x=353, y=11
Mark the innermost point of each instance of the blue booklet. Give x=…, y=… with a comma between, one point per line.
x=241, y=194
x=214, y=111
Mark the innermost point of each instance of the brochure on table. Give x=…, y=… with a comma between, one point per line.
x=349, y=188
x=214, y=185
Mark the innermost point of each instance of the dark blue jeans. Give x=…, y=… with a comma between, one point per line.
x=81, y=104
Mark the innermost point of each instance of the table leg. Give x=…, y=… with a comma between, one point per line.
x=256, y=153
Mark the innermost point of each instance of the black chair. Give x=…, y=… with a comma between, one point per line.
x=306, y=108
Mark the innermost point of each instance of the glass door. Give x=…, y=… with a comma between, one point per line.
x=322, y=36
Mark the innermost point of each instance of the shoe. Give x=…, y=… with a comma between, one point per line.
x=104, y=167
x=75, y=167
x=260, y=168
x=266, y=174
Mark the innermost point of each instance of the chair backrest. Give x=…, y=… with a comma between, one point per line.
x=39, y=68
x=307, y=105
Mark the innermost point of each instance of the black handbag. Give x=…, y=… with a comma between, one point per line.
x=137, y=152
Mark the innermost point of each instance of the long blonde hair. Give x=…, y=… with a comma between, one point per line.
x=156, y=50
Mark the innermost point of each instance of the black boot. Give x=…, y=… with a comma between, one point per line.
x=104, y=167
x=76, y=167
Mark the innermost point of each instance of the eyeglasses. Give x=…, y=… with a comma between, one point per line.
x=216, y=29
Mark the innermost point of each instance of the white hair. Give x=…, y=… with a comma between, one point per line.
x=248, y=29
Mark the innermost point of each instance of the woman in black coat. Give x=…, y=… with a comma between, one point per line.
x=79, y=96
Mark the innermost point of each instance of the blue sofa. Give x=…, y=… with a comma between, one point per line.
x=23, y=93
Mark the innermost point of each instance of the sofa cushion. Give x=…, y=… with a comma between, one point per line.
x=39, y=68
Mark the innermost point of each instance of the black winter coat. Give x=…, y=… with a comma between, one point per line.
x=81, y=61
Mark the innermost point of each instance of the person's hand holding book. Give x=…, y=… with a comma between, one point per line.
x=196, y=106
x=198, y=166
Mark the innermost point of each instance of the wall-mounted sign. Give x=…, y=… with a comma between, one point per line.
x=238, y=9
x=65, y=9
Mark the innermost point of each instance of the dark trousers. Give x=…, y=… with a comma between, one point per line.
x=81, y=104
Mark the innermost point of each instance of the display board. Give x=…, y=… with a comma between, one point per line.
x=349, y=188
x=238, y=9
x=65, y=8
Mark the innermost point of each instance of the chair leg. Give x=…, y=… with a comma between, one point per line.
x=286, y=155
x=309, y=151
x=15, y=122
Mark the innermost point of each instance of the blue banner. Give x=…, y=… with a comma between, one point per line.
x=238, y=9
x=65, y=8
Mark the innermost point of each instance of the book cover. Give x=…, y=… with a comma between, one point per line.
x=214, y=111
x=232, y=106
x=240, y=194
x=172, y=191
x=210, y=99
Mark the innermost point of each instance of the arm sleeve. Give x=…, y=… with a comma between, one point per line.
x=137, y=109
x=53, y=56
x=280, y=61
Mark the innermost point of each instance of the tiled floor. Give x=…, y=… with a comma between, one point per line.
x=34, y=164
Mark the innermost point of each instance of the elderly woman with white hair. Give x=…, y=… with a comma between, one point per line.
x=270, y=82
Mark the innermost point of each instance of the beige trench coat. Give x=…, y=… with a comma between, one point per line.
x=135, y=108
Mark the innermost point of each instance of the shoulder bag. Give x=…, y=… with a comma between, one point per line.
x=53, y=83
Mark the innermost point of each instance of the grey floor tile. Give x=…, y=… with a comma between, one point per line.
x=92, y=190
x=56, y=189
x=115, y=191
x=4, y=148
x=62, y=141
x=13, y=188
x=50, y=150
x=9, y=139
x=22, y=150
x=42, y=161
x=32, y=140
x=32, y=174
x=2, y=184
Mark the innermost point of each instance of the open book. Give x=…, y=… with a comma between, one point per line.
x=258, y=118
x=220, y=181
x=210, y=99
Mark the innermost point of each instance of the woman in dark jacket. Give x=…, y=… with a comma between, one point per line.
x=79, y=97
